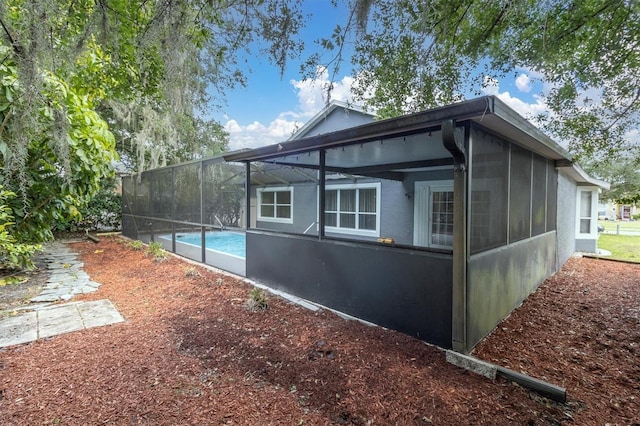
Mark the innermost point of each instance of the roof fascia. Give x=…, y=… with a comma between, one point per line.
x=576, y=173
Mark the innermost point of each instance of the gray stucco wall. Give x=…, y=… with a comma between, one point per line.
x=305, y=199
x=566, y=231
x=500, y=279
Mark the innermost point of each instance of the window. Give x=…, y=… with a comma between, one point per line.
x=586, y=212
x=353, y=209
x=275, y=204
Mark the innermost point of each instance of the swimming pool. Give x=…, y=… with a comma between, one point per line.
x=223, y=249
x=229, y=242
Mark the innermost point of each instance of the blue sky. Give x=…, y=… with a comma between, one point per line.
x=270, y=108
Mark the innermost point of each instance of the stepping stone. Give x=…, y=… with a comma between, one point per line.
x=99, y=312
x=59, y=320
x=19, y=329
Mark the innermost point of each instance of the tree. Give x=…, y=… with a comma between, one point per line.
x=411, y=55
x=49, y=181
x=623, y=175
x=70, y=70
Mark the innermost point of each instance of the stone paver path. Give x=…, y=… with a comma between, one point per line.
x=56, y=319
x=45, y=316
x=67, y=277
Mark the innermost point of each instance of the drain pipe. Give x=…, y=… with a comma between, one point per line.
x=490, y=371
x=459, y=274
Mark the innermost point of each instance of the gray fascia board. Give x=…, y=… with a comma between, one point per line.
x=534, y=139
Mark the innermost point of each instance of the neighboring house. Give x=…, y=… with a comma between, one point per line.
x=615, y=211
x=437, y=224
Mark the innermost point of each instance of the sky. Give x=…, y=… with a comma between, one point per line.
x=270, y=108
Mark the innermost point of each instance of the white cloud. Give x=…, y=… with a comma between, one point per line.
x=528, y=110
x=257, y=134
x=312, y=95
x=523, y=83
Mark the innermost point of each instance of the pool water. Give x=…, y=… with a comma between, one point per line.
x=225, y=241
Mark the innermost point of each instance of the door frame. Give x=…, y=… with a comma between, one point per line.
x=420, y=215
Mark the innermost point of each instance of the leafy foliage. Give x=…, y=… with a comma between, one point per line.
x=411, y=55
x=51, y=180
x=13, y=255
x=136, y=245
x=103, y=211
x=623, y=175
x=149, y=68
x=145, y=68
x=155, y=250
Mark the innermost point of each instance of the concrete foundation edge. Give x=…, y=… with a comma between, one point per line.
x=490, y=371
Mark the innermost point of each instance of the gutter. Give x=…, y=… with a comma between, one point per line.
x=576, y=173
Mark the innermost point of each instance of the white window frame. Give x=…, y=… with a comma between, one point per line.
x=355, y=231
x=260, y=191
x=593, y=212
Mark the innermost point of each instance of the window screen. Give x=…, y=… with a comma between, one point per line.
x=539, y=196
x=520, y=194
x=490, y=173
x=552, y=196
x=162, y=194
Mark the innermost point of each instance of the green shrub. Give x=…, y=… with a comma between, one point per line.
x=103, y=212
x=13, y=255
x=155, y=250
x=257, y=300
x=191, y=272
x=136, y=245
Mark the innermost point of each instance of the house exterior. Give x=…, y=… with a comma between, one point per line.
x=338, y=115
x=437, y=224
x=617, y=211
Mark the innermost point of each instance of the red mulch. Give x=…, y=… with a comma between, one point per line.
x=190, y=352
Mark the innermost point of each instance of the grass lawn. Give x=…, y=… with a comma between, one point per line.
x=622, y=247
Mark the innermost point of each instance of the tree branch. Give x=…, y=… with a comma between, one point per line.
x=626, y=110
x=16, y=46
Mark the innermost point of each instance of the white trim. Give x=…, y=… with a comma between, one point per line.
x=593, y=225
x=259, y=192
x=351, y=231
x=418, y=213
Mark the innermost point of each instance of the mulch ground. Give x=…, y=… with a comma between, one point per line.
x=190, y=352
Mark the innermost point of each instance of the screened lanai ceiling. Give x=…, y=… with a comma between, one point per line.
x=388, y=158
x=418, y=150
